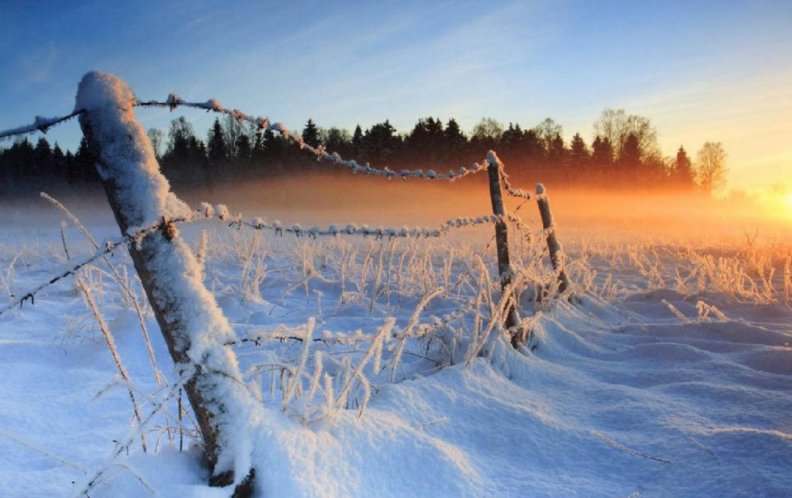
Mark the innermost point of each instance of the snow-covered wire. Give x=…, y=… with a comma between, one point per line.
x=40, y=123
x=284, y=333
x=106, y=248
x=262, y=124
x=173, y=101
x=221, y=212
x=492, y=158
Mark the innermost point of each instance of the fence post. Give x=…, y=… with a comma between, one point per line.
x=553, y=246
x=189, y=317
x=502, y=243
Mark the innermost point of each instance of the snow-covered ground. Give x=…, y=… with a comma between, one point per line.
x=669, y=374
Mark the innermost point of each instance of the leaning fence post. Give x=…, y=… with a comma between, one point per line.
x=502, y=242
x=189, y=317
x=553, y=246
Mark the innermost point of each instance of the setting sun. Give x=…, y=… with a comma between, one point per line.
x=405, y=282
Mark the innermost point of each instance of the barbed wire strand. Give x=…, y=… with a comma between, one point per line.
x=105, y=249
x=284, y=333
x=264, y=123
x=173, y=101
x=221, y=212
x=40, y=123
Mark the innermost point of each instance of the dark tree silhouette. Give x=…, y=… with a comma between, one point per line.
x=216, y=144
x=682, y=174
x=310, y=133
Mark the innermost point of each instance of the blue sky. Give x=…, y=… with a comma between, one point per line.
x=700, y=70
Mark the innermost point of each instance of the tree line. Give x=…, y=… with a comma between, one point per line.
x=623, y=154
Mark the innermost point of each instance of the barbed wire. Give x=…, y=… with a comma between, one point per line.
x=221, y=212
x=262, y=124
x=106, y=248
x=40, y=123
x=285, y=333
x=173, y=101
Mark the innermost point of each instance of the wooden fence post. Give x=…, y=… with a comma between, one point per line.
x=189, y=317
x=553, y=246
x=502, y=243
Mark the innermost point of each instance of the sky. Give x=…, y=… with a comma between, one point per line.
x=700, y=70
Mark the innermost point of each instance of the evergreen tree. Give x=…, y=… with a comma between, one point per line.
x=337, y=140
x=602, y=152
x=630, y=154
x=511, y=138
x=179, y=135
x=557, y=152
x=381, y=144
x=455, y=140
x=72, y=175
x=184, y=161
x=530, y=150
x=42, y=159
x=85, y=162
x=682, y=174
x=310, y=134
x=59, y=163
x=578, y=152
x=258, y=155
x=357, y=140
x=216, y=144
x=426, y=143
x=244, y=151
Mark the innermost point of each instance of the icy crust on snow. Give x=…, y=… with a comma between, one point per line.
x=126, y=154
x=128, y=160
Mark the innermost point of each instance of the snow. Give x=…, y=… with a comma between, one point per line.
x=621, y=397
x=108, y=104
x=198, y=327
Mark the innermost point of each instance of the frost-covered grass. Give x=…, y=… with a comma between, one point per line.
x=667, y=376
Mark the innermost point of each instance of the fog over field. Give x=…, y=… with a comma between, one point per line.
x=460, y=249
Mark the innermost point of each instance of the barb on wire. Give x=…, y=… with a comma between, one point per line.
x=40, y=123
x=262, y=124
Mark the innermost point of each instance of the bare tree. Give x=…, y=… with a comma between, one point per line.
x=155, y=136
x=617, y=126
x=548, y=131
x=488, y=129
x=711, y=167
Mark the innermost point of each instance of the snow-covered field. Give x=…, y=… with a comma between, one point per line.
x=668, y=374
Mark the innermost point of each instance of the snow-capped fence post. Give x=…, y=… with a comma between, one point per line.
x=189, y=317
x=553, y=246
x=502, y=243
